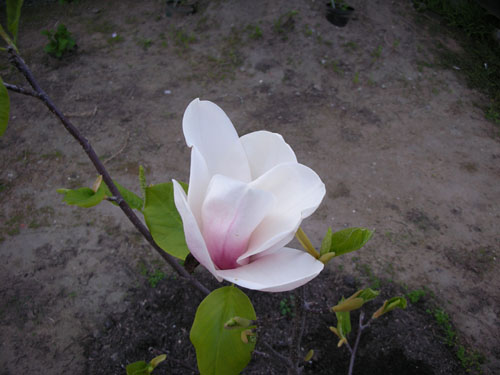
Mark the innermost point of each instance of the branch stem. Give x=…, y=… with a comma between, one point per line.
x=19, y=63
x=356, y=343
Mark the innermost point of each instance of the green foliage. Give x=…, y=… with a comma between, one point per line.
x=4, y=108
x=221, y=351
x=155, y=277
x=87, y=197
x=285, y=23
x=60, y=43
x=287, y=307
x=143, y=368
x=443, y=319
x=163, y=220
x=13, y=14
x=345, y=241
x=254, y=32
x=415, y=295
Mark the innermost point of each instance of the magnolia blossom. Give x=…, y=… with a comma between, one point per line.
x=247, y=197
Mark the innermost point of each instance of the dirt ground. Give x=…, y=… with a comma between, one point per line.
x=400, y=143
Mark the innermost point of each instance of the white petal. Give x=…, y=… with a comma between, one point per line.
x=230, y=213
x=298, y=191
x=265, y=150
x=283, y=270
x=199, y=179
x=194, y=239
x=208, y=128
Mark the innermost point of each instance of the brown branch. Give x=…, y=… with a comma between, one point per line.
x=22, y=90
x=19, y=63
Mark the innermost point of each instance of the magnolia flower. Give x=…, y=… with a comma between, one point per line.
x=246, y=199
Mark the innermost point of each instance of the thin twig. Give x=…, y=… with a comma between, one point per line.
x=21, y=90
x=358, y=337
x=19, y=63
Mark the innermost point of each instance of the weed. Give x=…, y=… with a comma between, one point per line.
x=155, y=277
x=377, y=52
x=470, y=360
x=308, y=31
x=52, y=155
x=353, y=46
x=355, y=80
x=285, y=23
x=254, y=32
x=415, y=295
x=287, y=307
x=182, y=39
x=60, y=43
x=443, y=319
x=145, y=43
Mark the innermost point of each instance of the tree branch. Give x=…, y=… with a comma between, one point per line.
x=19, y=63
x=21, y=90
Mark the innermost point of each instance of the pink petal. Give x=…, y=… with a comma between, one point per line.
x=207, y=128
x=199, y=177
x=283, y=270
x=194, y=239
x=230, y=212
x=266, y=150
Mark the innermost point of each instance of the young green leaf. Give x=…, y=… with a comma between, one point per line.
x=350, y=239
x=343, y=325
x=142, y=181
x=4, y=107
x=82, y=197
x=130, y=197
x=326, y=244
x=163, y=220
x=389, y=305
x=13, y=14
x=221, y=351
x=137, y=368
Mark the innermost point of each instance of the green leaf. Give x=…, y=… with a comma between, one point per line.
x=13, y=14
x=343, y=322
x=389, y=305
x=220, y=351
x=163, y=220
x=137, y=368
x=368, y=294
x=4, y=107
x=326, y=244
x=133, y=200
x=83, y=197
x=350, y=239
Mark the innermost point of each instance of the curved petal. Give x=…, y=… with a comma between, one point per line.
x=283, y=270
x=194, y=239
x=298, y=191
x=207, y=128
x=230, y=213
x=266, y=150
x=199, y=178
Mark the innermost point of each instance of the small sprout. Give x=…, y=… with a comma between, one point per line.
x=157, y=360
x=97, y=184
x=349, y=305
x=238, y=322
x=389, y=305
x=309, y=355
x=325, y=258
x=248, y=336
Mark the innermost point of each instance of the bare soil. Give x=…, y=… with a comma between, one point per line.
x=400, y=143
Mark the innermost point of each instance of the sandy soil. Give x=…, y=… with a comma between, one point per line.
x=399, y=143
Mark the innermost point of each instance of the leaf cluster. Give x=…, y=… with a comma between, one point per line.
x=61, y=41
